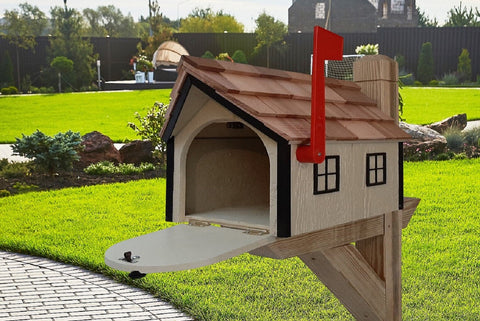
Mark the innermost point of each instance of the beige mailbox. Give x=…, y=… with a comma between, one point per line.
x=233, y=131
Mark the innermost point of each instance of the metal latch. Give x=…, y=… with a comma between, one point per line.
x=127, y=256
x=198, y=223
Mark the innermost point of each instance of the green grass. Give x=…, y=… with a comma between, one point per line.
x=441, y=255
x=105, y=112
x=428, y=105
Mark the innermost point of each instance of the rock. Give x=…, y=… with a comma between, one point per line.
x=424, y=140
x=137, y=152
x=97, y=148
x=459, y=121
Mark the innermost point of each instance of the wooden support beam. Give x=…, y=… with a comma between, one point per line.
x=392, y=252
x=349, y=276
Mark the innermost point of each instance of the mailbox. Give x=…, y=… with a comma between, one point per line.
x=252, y=168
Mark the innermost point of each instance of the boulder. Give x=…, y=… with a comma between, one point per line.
x=97, y=148
x=137, y=152
x=458, y=121
x=424, y=140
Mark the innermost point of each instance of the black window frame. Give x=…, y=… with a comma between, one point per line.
x=326, y=175
x=377, y=168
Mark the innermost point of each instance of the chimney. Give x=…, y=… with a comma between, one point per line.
x=377, y=76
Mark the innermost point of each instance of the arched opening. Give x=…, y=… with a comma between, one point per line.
x=228, y=176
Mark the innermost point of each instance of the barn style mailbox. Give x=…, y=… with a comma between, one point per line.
x=282, y=164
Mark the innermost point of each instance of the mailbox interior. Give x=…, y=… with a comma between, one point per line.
x=228, y=177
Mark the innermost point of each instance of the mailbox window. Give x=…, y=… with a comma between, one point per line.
x=376, y=169
x=326, y=176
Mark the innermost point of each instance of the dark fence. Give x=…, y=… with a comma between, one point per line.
x=293, y=54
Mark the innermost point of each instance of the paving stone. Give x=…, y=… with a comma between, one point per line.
x=33, y=288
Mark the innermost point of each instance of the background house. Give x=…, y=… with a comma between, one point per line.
x=351, y=16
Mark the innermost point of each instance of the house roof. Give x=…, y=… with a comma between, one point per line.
x=281, y=101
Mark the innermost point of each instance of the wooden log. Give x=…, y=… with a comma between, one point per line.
x=346, y=273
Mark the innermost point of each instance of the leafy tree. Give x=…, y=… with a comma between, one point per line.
x=61, y=65
x=22, y=26
x=425, y=21
x=464, y=67
x=425, y=68
x=67, y=41
x=205, y=20
x=108, y=20
x=269, y=32
x=463, y=17
x=6, y=71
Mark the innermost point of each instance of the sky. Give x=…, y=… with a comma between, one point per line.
x=245, y=11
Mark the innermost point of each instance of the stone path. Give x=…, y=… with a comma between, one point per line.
x=33, y=288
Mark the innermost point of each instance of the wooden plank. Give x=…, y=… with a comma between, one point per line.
x=346, y=273
x=409, y=206
x=372, y=250
x=324, y=239
x=393, y=265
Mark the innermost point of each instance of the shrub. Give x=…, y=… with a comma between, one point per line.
x=208, y=54
x=444, y=157
x=4, y=193
x=12, y=90
x=400, y=59
x=368, y=49
x=450, y=79
x=472, y=136
x=24, y=188
x=454, y=139
x=15, y=170
x=240, y=57
x=433, y=83
x=417, y=83
x=425, y=67
x=108, y=168
x=50, y=153
x=406, y=79
x=149, y=129
x=464, y=67
x=3, y=163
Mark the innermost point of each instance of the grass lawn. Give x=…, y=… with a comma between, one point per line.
x=428, y=105
x=105, y=112
x=441, y=255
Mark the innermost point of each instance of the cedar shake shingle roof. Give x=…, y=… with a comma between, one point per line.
x=281, y=101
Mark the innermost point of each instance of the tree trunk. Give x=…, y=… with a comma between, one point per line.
x=18, y=67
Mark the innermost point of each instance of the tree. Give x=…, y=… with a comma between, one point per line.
x=6, y=71
x=462, y=17
x=464, y=66
x=67, y=41
x=425, y=21
x=21, y=29
x=61, y=65
x=268, y=33
x=108, y=20
x=425, y=66
x=205, y=20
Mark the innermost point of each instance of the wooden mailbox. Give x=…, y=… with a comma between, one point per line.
x=233, y=132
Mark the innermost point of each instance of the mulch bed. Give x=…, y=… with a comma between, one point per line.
x=73, y=178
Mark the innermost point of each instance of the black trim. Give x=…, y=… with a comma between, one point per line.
x=169, y=187
x=175, y=113
x=376, y=169
x=400, y=176
x=325, y=175
x=284, y=186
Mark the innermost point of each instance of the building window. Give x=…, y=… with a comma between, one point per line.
x=376, y=169
x=326, y=176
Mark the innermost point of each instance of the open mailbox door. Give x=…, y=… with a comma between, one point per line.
x=183, y=247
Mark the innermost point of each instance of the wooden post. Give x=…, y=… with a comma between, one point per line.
x=377, y=75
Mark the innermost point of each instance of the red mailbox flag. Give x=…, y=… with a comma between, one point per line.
x=326, y=46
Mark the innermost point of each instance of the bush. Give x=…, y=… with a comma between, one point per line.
x=149, y=129
x=464, y=67
x=368, y=49
x=433, y=83
x=240, y=57
x=108, y=168
x=406, y=79
x=50, y=153
x=425, y=67
x=417, y=83
x=208, y=54
x=12, y=90
x=450, y=79
x=454, y=139
x=14, y=170
x=472, y=136
x=25, y=188
x=4, y=193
